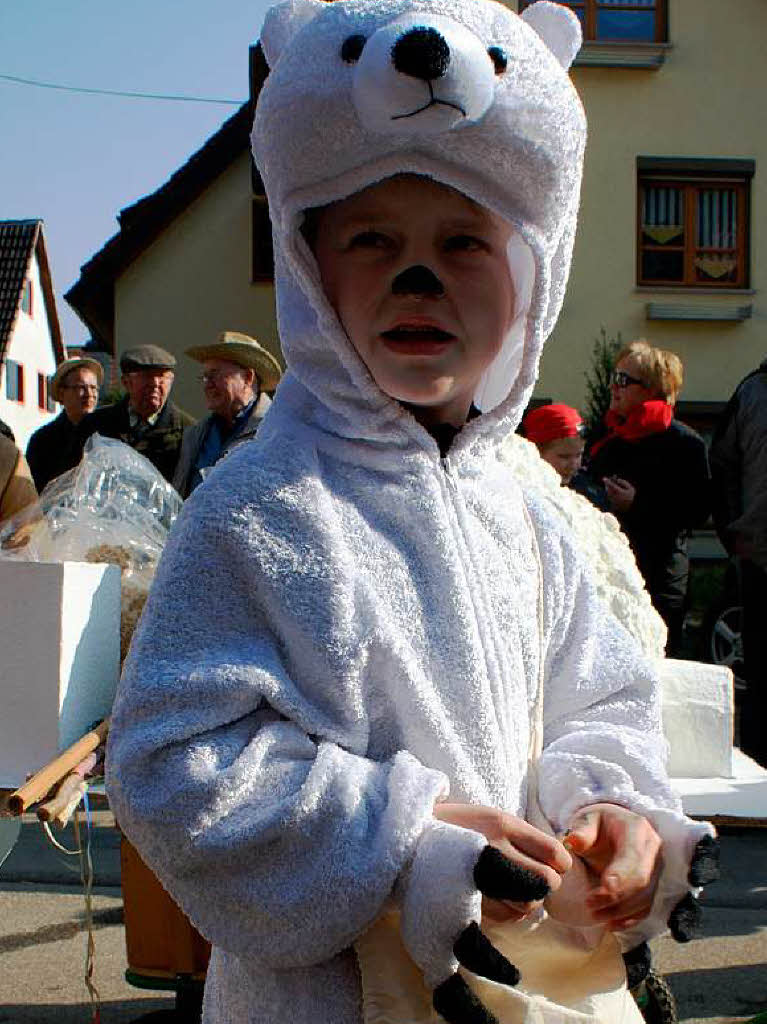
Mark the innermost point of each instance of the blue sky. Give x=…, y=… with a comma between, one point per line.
x=75, y=160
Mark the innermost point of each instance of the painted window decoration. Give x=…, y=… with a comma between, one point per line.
x=692, y=233
x=618, y=21
x=26, y=297
x=14, y=381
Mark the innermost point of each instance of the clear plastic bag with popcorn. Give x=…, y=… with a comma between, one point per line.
x=113, y=507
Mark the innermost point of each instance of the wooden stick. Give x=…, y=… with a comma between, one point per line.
x=52, y=808
x=41, y=782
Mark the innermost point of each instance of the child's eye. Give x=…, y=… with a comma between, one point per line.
x=369, y=240
x=464, y=243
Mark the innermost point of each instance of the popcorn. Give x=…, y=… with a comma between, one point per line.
x=133, y=591
x=601, y=541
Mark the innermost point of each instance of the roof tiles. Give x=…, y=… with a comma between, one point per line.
x=17, y=242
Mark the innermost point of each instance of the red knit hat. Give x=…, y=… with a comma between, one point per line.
x=552, y=422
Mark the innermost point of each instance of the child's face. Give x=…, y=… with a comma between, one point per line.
x=564, y=455
x=419, y=277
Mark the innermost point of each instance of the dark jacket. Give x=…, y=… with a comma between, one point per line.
x=194, y=437
x=53, y=449
x=161, y=444
x=673, y=494
x=739, y=468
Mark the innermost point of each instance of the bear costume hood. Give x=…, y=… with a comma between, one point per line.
x=462, y=91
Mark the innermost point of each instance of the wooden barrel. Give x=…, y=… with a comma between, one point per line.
x=162, y=944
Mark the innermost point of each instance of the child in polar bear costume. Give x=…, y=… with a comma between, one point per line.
x=369, y=656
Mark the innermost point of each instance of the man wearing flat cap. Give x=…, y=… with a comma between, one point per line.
x=236, y=374
x=145, y=419
x=56, y=447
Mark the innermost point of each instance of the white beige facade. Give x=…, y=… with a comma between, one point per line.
x=195, y=281
x=30, y=352
x=704, y=102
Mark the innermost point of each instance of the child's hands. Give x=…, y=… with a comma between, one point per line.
x=534, y=852
x=454, y=874
x=623, y=850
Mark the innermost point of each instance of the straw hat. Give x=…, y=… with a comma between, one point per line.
x=75, y=364
x=244, y=351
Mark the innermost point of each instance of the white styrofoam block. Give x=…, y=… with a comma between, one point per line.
x=742, y=796
x=59, y=658
x=697, y=718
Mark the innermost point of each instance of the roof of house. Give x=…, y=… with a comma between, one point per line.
x=92, y=295
x=20, y=241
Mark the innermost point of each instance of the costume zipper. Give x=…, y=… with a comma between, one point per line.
x=487, y=627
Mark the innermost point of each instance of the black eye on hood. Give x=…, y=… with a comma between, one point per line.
x=499, y=59
x=352, y=48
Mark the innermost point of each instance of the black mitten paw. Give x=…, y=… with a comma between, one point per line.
x=638, y=962
x=686, y=919
x=477, y=954
x=704, y=866
x=457, y=1004
x=501, y=879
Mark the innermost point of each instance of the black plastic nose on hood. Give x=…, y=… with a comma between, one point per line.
x=417, y=280
x=421, y=53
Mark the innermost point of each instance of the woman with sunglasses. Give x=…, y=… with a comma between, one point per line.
x=655, y=473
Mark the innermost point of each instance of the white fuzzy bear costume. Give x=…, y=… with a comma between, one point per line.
x=342, y=628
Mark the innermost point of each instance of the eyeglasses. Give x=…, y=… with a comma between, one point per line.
x=214, y=376
x=211, y=377
x=623, y=380
x=82, y=389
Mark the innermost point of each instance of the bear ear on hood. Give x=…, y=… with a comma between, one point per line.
x=558, y=27
x=282, y=22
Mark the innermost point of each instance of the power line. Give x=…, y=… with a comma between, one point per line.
x=117, y=92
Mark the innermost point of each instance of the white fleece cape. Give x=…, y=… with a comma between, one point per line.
x=342, y=628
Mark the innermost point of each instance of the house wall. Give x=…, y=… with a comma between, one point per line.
x=31, y=346
x=194, y=282
x=706, y=100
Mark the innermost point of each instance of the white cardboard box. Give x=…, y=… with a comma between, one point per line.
x=59, y=658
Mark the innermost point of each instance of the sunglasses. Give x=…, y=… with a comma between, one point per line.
x=623, y=380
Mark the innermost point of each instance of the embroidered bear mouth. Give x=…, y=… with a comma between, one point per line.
x=434, y=101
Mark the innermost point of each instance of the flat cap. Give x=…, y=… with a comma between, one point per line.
x=146, y=357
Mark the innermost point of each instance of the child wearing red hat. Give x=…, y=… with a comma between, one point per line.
x=558, y=432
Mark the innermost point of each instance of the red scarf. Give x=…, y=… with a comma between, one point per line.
x=651, y=417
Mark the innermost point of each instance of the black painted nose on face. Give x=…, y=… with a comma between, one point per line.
x=421, y=53
x=417, y=280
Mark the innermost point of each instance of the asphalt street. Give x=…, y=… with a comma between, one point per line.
x=719, y=979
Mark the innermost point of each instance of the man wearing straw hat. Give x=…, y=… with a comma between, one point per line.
x=236, y=374
x=56, y=447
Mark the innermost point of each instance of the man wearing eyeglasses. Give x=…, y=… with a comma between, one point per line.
x=55, y=448
x=236, y=374
x=145, y=418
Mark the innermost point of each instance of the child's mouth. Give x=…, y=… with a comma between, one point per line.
x=422, y=338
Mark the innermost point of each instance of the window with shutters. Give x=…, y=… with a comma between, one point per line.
x=693, y=225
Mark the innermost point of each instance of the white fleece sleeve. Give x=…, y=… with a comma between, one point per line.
x=603, y=740
x=277, y=844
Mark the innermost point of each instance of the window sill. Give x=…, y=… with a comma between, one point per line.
x=622, y=55
x=663, y=311
x=650, y=289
